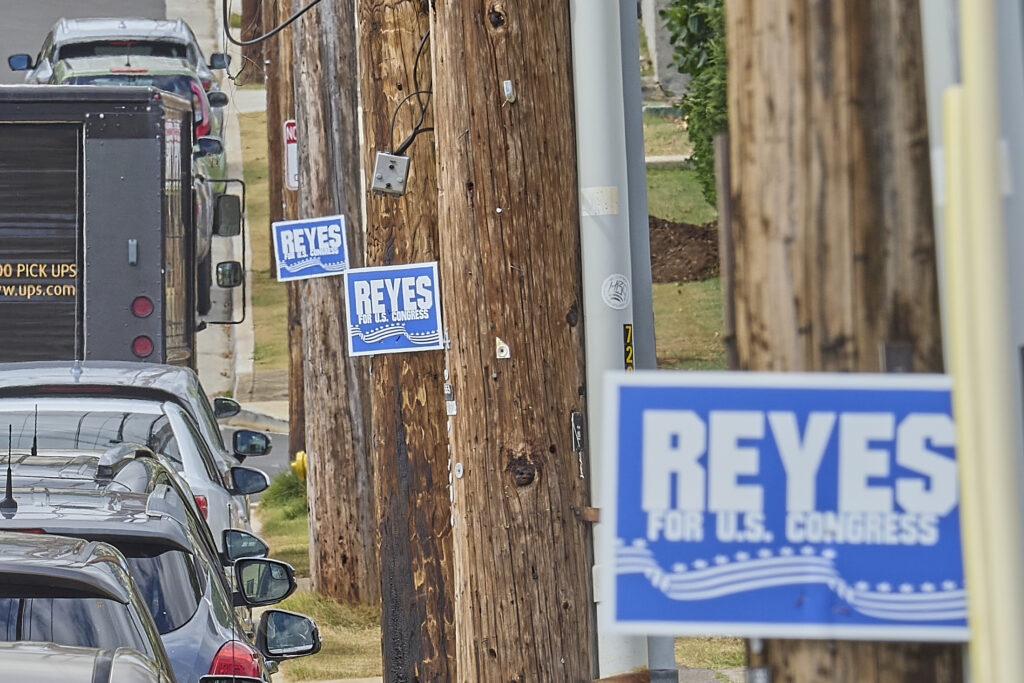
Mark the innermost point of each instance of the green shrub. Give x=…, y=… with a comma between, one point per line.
x=697, y=31
x=287, y=492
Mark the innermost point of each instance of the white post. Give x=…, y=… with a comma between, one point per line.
x=605, y=244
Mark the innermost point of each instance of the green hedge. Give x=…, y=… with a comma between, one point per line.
x=697, y=32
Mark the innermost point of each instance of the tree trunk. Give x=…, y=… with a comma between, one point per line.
x=510, y=271
x=410, y=440
x=832, y=226
x=284, y=202
x=251, y=67
x=342, y=529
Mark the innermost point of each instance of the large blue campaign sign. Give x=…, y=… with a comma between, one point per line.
x=311, y=247
x=783, y=505
x=393, y=309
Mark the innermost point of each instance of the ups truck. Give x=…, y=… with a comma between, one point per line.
x=98, y=233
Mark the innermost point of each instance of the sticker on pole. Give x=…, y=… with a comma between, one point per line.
x=291, y=155
x=782, y=506
x=311, y=247
x=393, y=309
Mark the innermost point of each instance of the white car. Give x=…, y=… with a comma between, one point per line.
x=94, y=423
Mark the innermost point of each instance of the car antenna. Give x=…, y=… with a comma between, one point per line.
x=35, y=434
x=9, y=506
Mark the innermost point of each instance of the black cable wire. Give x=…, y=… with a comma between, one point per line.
x=268, y=34
x=417, y=92
x=395, y=115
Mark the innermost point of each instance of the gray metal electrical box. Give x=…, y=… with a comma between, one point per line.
x=390, y=171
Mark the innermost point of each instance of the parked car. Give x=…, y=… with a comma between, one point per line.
x=179, y=579
x=32, y=662
x=61, y=423
x=74, y=592
x=117, y=379
x=72, y=38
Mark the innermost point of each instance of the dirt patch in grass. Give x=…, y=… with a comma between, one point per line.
x=683, y=252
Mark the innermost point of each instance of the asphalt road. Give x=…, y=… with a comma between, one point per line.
x=26, y=22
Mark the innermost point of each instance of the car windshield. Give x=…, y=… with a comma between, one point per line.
x=168, y=582
x=92, y=430
x=103, y=48
x=76, y=621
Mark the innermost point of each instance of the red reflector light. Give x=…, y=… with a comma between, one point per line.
x=142, y=346
x=235, y=658
x=142, y=307
x=27, y=531
x=206, y=85
x=204, y=506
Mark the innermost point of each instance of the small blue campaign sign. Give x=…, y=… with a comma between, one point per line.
x=393, y=309
x=311, y=247
x=782, y=506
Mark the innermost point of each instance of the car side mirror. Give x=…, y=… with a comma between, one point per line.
x=229, y=274
x=245, y=481
x=217, y=99
x=239, y=544
x=227, y=215
x=219, y=60
x=262, y=581
x=225, y=407
x=19, y=62
x=246, y=442
x=207, y=146
x=286, y=635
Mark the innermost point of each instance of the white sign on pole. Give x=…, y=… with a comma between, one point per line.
x=291, y=155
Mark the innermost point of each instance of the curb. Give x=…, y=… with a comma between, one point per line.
x=248, y=419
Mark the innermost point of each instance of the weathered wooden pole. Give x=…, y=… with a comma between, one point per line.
x=510, y=271
x=342, y=520
x=252, y=26
x=277, y=57
x=831, y=213
x=410, y=440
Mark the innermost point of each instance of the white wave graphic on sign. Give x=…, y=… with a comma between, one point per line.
x=382, y=333
x=305, y=264
x=704, y=580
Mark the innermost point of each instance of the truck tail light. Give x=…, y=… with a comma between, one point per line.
x=204, y=506
x=142, y=346
x=235, y=658
x=142, y=307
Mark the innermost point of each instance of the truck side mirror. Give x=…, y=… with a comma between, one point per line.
x=217, y=99
x=219, y=60
x=19, y=62
x=207, y=146
x=227, y=215
x=229, y=274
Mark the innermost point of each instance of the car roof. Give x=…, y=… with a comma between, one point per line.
x=116, y=516
x=89, y=567
x=81, y=30
x=140, y=377
x=120, y=66
x=34, y=662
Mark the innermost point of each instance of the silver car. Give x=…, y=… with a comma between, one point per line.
x=71, y=38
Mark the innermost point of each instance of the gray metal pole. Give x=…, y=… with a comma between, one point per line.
x=605, y=243
x=661, y=655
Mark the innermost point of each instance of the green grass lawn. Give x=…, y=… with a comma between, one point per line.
x=688, y=324
x=269, y=297
x=674, y=194
x=665, y=135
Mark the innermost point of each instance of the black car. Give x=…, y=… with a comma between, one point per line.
x=178, y=575
x=72, y=592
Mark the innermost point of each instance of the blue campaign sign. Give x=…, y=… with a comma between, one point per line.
x=393, y=309
x=311, y=247
x=782, y=505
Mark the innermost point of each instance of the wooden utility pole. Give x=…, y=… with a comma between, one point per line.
x=832, y=228
x=410, y=439
x=510, y=271
x=252, y=27
x=277, y=58
x=342, y=519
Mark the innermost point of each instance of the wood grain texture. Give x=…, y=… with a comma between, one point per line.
x=510, y=269
x=410, y=439
x=832, y=231
x=342, y=520
x=283, y=203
